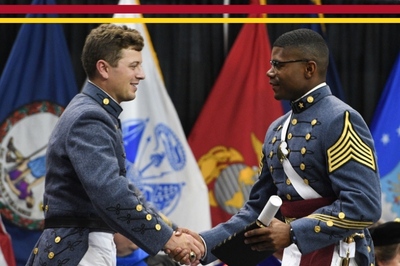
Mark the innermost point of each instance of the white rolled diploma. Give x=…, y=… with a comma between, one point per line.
x=270, y=209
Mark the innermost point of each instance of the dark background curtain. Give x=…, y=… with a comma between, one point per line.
x=191, y=55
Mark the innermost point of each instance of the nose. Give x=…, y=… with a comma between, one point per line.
x=140, y=74
x=270, y=73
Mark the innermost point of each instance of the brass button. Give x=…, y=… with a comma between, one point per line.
x=288, y=182
x=303, y=150
x=302, y=166
x=271, y=154
x=314, y=122
x=369, y=249
x=306, y=181
x=310, y=99
x=51, y=255
x=273, y=140
x=329, y=223
x=106, y=101
x=57, y=239
x=271, y=169
x=397, y=220
x=139, y=207
x=41, y=206
x=46, y=208
x=35, y=251
x=289, y=136
x=158, y=227
x=308, y=136
x=341, y=215
x=288, y=197
x=148, y=217
x=294, y=121
x=317, y=229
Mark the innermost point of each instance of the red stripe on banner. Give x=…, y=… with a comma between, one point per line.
x=200, y=9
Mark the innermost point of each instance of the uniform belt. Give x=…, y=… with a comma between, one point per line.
x=73, y=222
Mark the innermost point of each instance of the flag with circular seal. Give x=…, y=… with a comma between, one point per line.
x=36, y=85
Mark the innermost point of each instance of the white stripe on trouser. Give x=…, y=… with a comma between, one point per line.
x=292, y=257
x=101, y=251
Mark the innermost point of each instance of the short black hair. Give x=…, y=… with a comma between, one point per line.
x=308, y=42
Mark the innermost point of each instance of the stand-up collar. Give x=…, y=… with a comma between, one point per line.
x=310, y=99
x=105, y=100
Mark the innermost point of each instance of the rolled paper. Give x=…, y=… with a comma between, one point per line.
x=270, y=209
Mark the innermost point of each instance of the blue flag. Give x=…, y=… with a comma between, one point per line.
x=36, y=85
x=385, y=129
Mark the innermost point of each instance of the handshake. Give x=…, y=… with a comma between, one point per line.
x=185, y=247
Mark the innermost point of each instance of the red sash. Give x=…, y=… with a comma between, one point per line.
x=301, y=208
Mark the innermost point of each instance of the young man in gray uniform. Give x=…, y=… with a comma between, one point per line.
x=87, y=196
x=320, y=159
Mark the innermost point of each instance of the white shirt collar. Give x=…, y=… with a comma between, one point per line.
x=310, y=91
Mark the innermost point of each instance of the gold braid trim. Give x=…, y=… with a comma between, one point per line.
x=342, y=223
x=165, y=219
x=349, y=146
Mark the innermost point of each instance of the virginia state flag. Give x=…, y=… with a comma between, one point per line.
x=228, y=135
x=385, y=129
x=159, y=160
x=36, y=84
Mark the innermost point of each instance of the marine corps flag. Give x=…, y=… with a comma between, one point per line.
x=385, y=129
x=36, y=84
x=158, y=158
x=228, y=135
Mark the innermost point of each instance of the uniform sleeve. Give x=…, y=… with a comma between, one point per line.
x=95, y=149
x=262, y=189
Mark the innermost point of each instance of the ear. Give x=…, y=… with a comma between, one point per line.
x=103, y=68
x=310, y=70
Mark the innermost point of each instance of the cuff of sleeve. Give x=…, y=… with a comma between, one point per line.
x=205, y=249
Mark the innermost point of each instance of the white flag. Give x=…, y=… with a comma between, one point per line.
x=159, y=159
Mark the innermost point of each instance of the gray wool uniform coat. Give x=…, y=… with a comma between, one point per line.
x=86, y=188
x=332, y=150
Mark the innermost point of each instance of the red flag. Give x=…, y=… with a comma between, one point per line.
x=228, y=135
x=6, y=249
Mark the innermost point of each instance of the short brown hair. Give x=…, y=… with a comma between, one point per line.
x=106, y=42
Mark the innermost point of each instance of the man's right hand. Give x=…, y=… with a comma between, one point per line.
x=182, y=255
x=182, y=244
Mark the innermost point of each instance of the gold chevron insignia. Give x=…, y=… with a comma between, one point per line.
x=334, y=221
x=349, y=146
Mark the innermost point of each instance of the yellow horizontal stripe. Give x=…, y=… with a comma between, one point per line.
x=342, y=223
x=200, y=20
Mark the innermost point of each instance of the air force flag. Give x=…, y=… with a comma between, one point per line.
x=385, y=129
x=159, y=159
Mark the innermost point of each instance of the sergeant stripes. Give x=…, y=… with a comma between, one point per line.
x=349, y=146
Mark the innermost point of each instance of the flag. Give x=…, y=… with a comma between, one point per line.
x=332, y=75
x=228, y=135
x=36, y=84
x=158, y=158
x=385, y=129
x=6, y=249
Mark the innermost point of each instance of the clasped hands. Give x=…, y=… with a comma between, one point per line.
x=274, y=237
x=185, y=247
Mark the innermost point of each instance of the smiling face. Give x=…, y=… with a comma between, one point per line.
x=123, y=79
x=290, y=80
